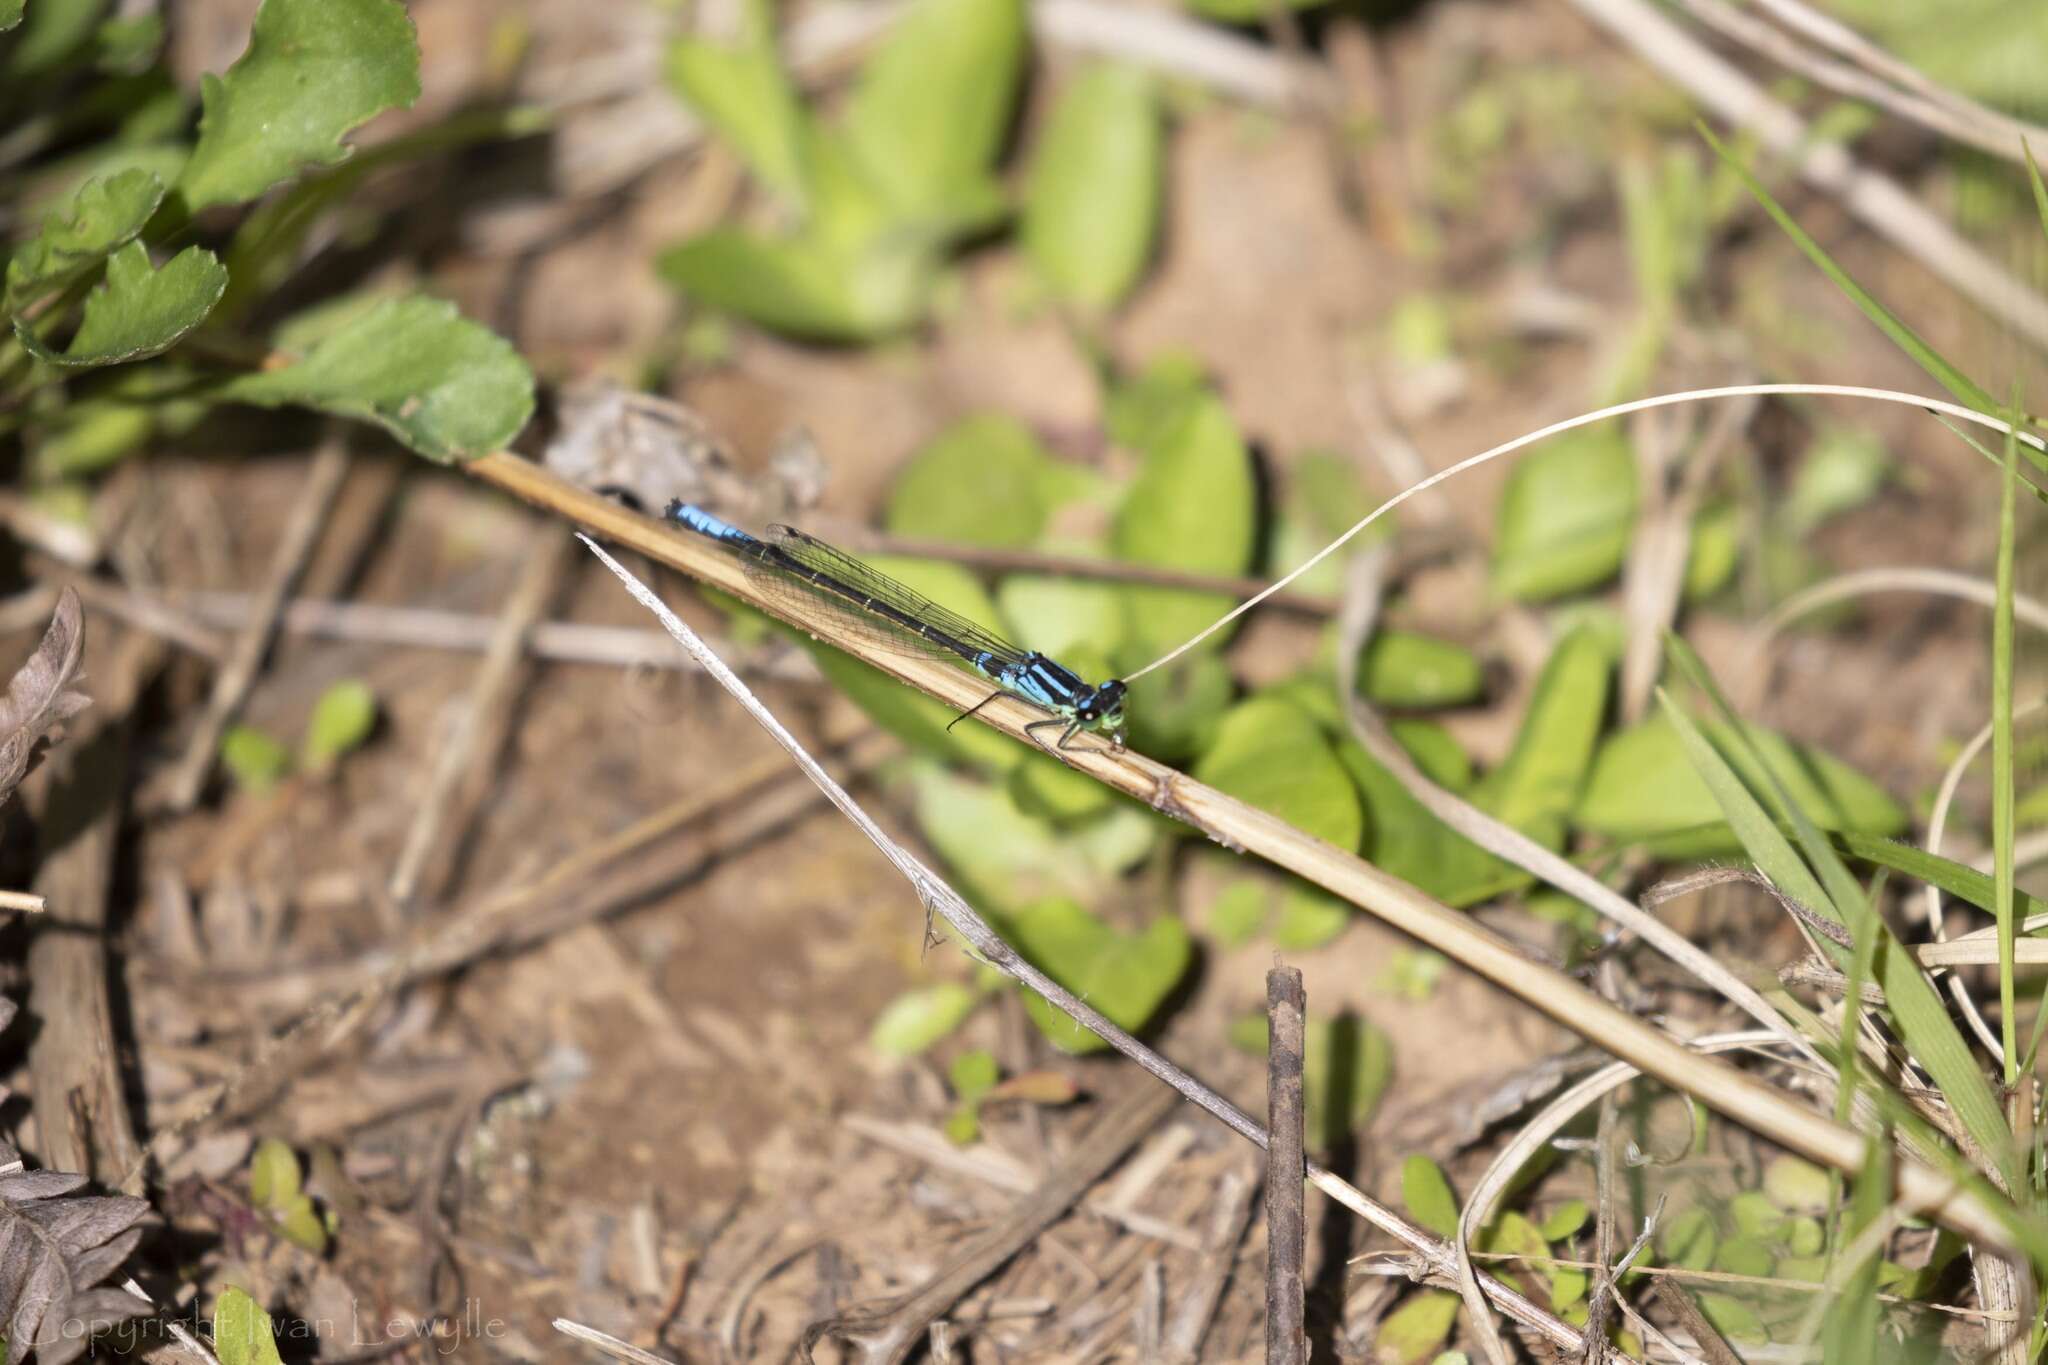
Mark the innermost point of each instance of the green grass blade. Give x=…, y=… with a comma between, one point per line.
x=2001, y=762
x=1904, y=337
x=1768, y=847
x=1916, y=1009
x=2040, y=493
x=2040, y=190
x=1963, y=882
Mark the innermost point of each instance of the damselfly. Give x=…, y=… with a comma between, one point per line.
x=788, y=563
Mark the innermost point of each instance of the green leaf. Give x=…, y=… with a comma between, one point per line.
x=314, y=71
x=1642, y=787
x=1176, y=711
x=1565, y=1221
x=273, y=1175
x=1412, y=974
x=740, y=88
x=1238, y=914
x=1192, y=507
x=1716, y=546
x=1745, y=1256
x=1413, y=1332
x=1009, y=858
x=254, y=759
x=916, y=1019
x=1798, y=1186
x=10, y=14
x=1845, y=468
x=1734, y=1319
x=89, y=436
x=342, y=721
x=804, y=287
x=104, y=213
x=1309, y=918
x=1323, y=498
x=979, y=482
x=1141, y=407
x=1126, y=976
x=1954, y=878
x=974, y=1073
x=1269, y=754
x=1689, y=1240
x=1244, y=12
x=1067, y=618
x=242, y=1334
x=269, y=245
x=1566, y=514
x=1402, y=668
x=137, y=312
x=1426, y=1194
x=1540, y=779
x=300, y=1224
x=963, y=1125
x=449, y=388
x=933, y=105
x=1091, y=207
x=1917, y=1012
x=57, y=30
x=1409, y=842
x=1347, y=1064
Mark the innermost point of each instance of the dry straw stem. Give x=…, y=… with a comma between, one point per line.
x=1243, y=828
x=1877, y=201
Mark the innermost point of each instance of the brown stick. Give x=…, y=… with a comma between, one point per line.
x=1710, y=1343
x=1286, y=1169
x=80, y=1102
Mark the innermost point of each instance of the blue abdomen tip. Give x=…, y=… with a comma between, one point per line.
x=701, y=521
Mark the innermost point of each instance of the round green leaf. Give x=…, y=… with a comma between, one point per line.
x=1565, y=516
x=1174, y=713
x=1426, y=1194
x=741, y=89
x=807, y=287
x=447, y=387
x=1064, y=617
x=974, y=1073
x=242, y=1332
x=273, y=1175
x=1643, y=787
x=1798, y=1186
x=255, y=760
x=1192, y=507
x=1238, y=914
x=916, y=1019
x=1272, y=756
x=1091, y=209
x=933, y=105
x=342, y=720
x=1309, y=918
x=979, y=482
x=1690, y=1239
x=1716, y=546
x=1126, y=976
x=1418, y=1327
x=1402, y=668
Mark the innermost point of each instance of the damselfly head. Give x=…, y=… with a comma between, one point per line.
x=1103, y=709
